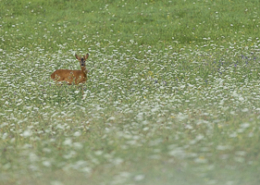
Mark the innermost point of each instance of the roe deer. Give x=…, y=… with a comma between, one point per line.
x=72, y=76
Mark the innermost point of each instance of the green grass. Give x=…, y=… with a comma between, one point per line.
x=172, y=95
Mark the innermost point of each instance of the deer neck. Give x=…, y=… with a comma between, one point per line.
x=84, y=70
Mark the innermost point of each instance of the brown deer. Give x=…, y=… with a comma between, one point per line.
x=72, y=76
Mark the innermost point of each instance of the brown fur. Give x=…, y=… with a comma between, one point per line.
x=71, y=76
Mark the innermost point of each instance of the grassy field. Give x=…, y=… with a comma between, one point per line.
x=172, y=96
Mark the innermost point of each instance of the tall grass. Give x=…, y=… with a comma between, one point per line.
x=172, y=95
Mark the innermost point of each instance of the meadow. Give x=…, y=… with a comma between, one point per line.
x=172, y=95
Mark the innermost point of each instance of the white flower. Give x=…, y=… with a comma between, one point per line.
x=26, y=133
x=139, y=177
x=46, y=163
x=68, y=142
x=78, y=133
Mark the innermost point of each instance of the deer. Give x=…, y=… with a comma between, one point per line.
x=72, y=76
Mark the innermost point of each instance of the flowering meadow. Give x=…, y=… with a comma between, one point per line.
x=172, y=97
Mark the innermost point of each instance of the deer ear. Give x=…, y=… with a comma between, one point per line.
x=86, y=57
x=77, y=57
